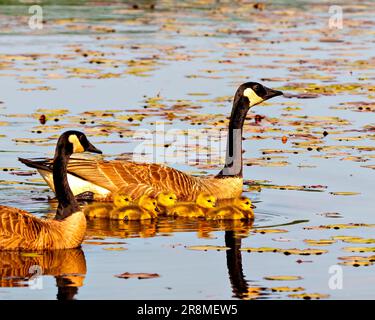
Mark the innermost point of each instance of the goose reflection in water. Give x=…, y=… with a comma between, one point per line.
x=67, y=266
x=235, y=230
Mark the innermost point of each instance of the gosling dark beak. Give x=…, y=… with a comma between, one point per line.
x=93, y=149
x=253, y=207
x=157, y=209
x=270, y=93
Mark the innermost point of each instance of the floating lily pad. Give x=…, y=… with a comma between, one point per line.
x=359, y=240
x=345, y=193
x=303, y=252
x=341, y=226
x=359, y=249
x=308, y=296
x=128, y=275
x=321, y=242
x=287, y=289
x=115, y=249
x=208, y=247
x=260, y=250
x=264, y=231
x=283, y=278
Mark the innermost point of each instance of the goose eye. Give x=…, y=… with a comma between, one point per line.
x=247, y=202
x=171, y=198
x=256, y=87
x=208, y=200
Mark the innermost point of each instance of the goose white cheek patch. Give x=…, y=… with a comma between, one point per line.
x=77, y=146
x=252, y=96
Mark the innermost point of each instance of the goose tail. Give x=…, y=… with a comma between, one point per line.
x=41, y=164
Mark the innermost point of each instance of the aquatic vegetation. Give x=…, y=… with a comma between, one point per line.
x=127, y=75
x=309, y=296
x=282, y=278
x=207, y=248
x=128, y=275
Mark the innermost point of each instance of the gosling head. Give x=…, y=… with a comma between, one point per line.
x=166, y=199
x=206, y=200
x=74, y=142
x=147, y=203
x=244, y=204
x=121, y=200
x=250, y=94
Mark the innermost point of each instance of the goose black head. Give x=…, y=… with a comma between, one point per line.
x=253, y=93
x=74, y=142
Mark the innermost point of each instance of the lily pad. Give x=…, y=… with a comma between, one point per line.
x=208, y=247
x=283, y=278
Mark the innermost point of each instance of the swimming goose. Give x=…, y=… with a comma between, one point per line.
x=21, y=231
x=101, y=179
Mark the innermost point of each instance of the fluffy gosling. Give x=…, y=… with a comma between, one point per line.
x=203, y=203
x=145, y=209
x=166, y=200
x=240, y=209
x=103, y=210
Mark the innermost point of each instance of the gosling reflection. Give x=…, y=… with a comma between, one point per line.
x=67, y=266
x=164, y=226
x=235, y=230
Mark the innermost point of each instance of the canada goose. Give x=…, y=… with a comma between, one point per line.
x=102, y=178
x=166, y=200
x=203, y=203
x=102, y=210
x=240, y=209
x=145, y=209
x=20, y=230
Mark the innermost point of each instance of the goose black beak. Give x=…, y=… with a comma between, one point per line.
x=253, y=206
x=270, y=93
x=93, y=149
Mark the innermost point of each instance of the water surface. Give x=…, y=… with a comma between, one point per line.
x=179, y=64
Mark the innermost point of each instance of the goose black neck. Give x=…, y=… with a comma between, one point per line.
x=67, y=202
x=233, y=158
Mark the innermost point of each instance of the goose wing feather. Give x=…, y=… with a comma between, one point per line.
x=133, y=178
x=18, y=228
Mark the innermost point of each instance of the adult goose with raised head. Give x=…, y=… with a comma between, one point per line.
x=102, y=179
x=22, y=231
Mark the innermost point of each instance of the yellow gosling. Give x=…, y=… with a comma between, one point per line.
x=145, y=209
x=203, y=203
x=102, y=210
x=166, y=200
x=240, y=209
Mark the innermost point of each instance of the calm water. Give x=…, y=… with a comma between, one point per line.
x=184, y=61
